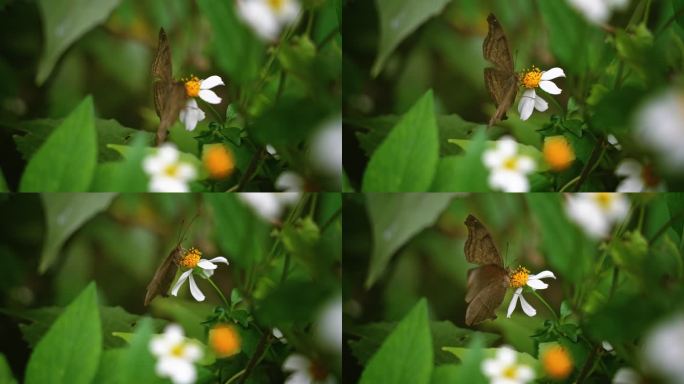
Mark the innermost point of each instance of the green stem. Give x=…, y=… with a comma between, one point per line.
x=235, y=377
x=569, y=184
x=216, y=288
x=546, y=304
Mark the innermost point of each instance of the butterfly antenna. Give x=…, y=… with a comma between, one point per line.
x=184, y=229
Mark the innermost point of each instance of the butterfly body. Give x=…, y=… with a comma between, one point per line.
x=169, y=95
x=486, y=284
x=501, y=80
x=163, y=276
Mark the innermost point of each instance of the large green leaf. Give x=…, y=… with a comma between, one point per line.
x=64, y=214
x=6, y=376
x=465, y=173
x=406, y=160
x=64, y=21
x=398, y=19
x=396, y=218
x=137, y=364
x=127, y=175
x=70, y=351
x=66, y=161
x=406, y=355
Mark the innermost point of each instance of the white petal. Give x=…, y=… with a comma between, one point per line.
x=626, y=376
x=492, y=158
x=540, y=104
x=629, y=168
x=631, y=185
x=183, y=372
x=507, y=146
x=290, y=181
x=300, y=377
x=552, y=74
x=536, y=284
x=526, y=307
x=186, y=172
x=526, y=104
x=492, y=367
x=206, y=264
x=543, y=275
x=506, y=355
x=192, y=352
x=220, y=259
x=514, y=302
x=508, y=181
x=209, y=96
x=167, y=184
x=296, y=362
x=191, y=115
x=195, y=291
x=525, y=374
x=525, y=164
x=181, y=280
x=211, y=82
x=549, y=87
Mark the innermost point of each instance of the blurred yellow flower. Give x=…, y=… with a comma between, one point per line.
x=224, y=340
x=219, y=161
x=558, y=153
x=557, y=362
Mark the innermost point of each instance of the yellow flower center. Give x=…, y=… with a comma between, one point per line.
x=604, y=200
x=178, y=349
x=511, y=372
x=511, y=163
x=219, y=161
x=192, y=86
x=224, y=340
x=191, y=258
x=519, y=277
x=557, y=362
x=276, y=5
x=558, y=153
x=171, y=170
x=530, y=79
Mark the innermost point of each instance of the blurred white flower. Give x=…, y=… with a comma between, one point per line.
x=166, y=170
x=289, y=181
x=638, y=178
x=175, y=355
x=305, y=371
x=268, y=17
x=536, y=78
x=608, y=347
x=663, y=349
x=191, y=114
x=328, y=327
x=192, y=260
x=503, y=369
x=595, y=213
x=279, y=335
x=626, y=375
x=272, y=151
x=269, y=205
x=507, y=168
x=612, y=140
x=598, y=11
x=519, y=279
x=326, y=149
x=660, y=125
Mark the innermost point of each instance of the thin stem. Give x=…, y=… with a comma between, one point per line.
x=220, y=118
x=569, y=184
x=546, y=304
x=665, y=226
x=594, y=159
x=235, y=377
x=671, y=20
x=258, y=355
x=588, y=365
x=216, y=288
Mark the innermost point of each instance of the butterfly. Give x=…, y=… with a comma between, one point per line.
x=169, y=95
x=501, y=80
x=161, y=282
x=486, y=284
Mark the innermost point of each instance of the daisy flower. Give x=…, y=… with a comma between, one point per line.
x=328, y=327
x=503, y=368
x=167, y=172
x=597, y=11
x=194, y=87
x=536, y=78
x=519, y=279
x=637, y=177
x=663, y=349
x=595, y=213
x=326, y=149
x=626, y=375
x=268, y=205
x=660, y=125
x=268, y=17
x=507, y=168
x=305, y=371
x=193, y=262
x=175, y=355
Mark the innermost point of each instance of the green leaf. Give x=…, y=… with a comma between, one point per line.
x=398, y=19
x=463, y=173
x=137, y=364
x=406, y=355
x=396, y=218
x=127, y=175
x=6, y=376
x=66, y=161
x=3, y=183
x=470, y=370
x=70, y=351
x=64, y=214
x=407, y=159
x=64, y=21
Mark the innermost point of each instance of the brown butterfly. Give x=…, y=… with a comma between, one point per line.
x=169, y=95
x=487, y=284
x=161, y=282
x=501, y=81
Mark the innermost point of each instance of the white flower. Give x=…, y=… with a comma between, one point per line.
x=638, y=178
x=290, y=182
x=660, y=125
x=521, y=278
x=663, y=349
x=503, y=368
x=626, y=376
x=268, y=17
x=272, y=151
x=598, y=11
x=175, y=355
x=326, y=149
x=507, y=169
x=608, y=347
x=191, y=115
x=194, y=263
x=612, y=140
x=267, y=205
x=167, y=172
x=278, y=334
x=596, y=213
x=535, y=78
x=305, y=371
x=328, y=327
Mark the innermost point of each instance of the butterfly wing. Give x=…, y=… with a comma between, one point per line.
x=502, y=89
x=495, y=47
x=500, y=81
x=479, y=247
x=172, y=105
x=486, y=289
x=163, y=276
